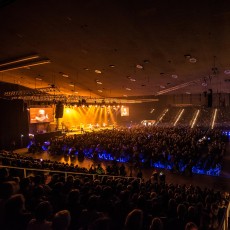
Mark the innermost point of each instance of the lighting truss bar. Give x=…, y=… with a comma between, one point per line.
x=177, y=87
x=21, y=93
x=23, y=59
x=179, y=116
x=25, y=65
x=48, y=89
x=214, y=119
x=53, y=94
x=195, y=118
x=30, y=92
x=43, y=98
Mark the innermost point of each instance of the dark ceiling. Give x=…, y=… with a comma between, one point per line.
x=141, y=47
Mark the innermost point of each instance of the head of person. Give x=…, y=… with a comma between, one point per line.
x=43, y=211
x=191, y=226
x=15, y=204
x=134, y=220
x=41, y=112
x=61, y=220
x=156, y=224
x=101, y=223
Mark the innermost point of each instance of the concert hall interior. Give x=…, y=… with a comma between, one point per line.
x=114, y=114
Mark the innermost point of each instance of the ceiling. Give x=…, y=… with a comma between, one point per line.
x=141, y=47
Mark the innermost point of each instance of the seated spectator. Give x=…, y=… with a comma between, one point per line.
x=156, y=224
x=61, y=220
x=91, y=213
x=75, y=207
x=103, y=223
x=43, y=212
x=134, y=220
x=191, y=226
x=15, y=216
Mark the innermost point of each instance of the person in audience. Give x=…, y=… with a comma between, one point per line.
x=191, y=226
x=75, y=207
x=156, y=224
x=61, y=220
x=104, y=223
x=134, y=220
x=15, y=216
x=43, y=214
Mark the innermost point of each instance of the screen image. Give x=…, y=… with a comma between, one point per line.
x=124, y=111
x=40, y=115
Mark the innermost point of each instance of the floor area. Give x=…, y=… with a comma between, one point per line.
x=218, y=183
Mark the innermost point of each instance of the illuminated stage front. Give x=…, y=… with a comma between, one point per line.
x=88, y=118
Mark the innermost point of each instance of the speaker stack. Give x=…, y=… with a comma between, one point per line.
x=210, y=98
x=59, y=110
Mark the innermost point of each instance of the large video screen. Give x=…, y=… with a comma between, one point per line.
x=124, y=111
x=40, y=115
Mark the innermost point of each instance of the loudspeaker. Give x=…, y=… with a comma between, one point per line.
x=210, y=98
x=59, y=110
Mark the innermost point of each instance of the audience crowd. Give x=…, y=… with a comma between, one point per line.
x=82, y=202
x=44, y=202
x=17, y=160
x=177, y=149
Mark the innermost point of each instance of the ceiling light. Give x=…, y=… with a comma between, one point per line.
x=65, y=75
x=75, y=92
x=227, y=71
x=97, y=71
x=146, y=61
x=187, y=56
x=187, y=92
x=174, y=76
x=132, y=79
x=112, y=66
x=162, y=86
x=72, y=85
x=125, y=95
x=128, y=89
x=100, y=90
x=99, y=82
x=86, y=69
x=39, y=79
x=204, y=84
x=139, y=66
x=192, y=60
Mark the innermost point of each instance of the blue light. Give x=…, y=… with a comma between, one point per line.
x=195, y=169
x=44, y=148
